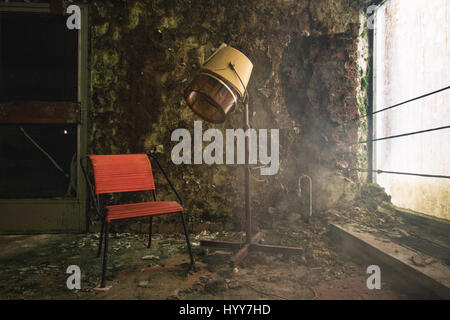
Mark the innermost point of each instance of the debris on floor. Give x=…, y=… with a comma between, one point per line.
x=36, y=269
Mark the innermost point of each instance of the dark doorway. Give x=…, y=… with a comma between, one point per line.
x=38, y=95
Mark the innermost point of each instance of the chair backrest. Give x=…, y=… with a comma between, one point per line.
x=122, y=173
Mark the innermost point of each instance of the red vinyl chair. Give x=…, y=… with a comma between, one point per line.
x=125, y=173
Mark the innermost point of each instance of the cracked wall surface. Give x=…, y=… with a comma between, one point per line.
x=305, y=82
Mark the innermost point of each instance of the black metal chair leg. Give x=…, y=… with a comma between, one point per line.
x=105, y=253
x=150, y=233
x=101, y=239
x=187, y=239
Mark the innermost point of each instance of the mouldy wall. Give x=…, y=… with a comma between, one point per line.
x=305, y=82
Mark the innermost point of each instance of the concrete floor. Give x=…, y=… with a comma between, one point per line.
x=34, y=267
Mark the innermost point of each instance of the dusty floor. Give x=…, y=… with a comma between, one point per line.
x=34, y=267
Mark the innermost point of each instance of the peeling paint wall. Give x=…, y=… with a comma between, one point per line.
x=305, y=82
x=310, y=64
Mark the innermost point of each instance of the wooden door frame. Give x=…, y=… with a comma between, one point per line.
x=22, y=216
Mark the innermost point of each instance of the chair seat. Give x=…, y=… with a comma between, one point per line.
x=133, y=210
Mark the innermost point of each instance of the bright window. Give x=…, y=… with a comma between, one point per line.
x=412, y=58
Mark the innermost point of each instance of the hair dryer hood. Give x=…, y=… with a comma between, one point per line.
x=215, y=90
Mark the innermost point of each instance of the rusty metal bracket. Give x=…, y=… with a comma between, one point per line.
x=40, y=112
